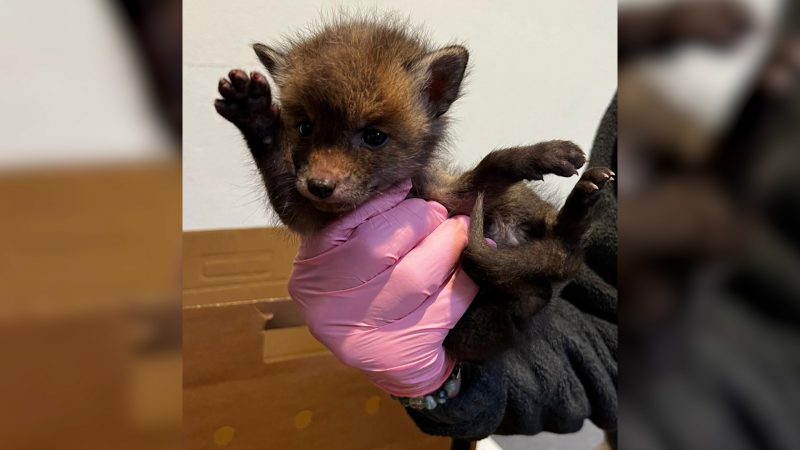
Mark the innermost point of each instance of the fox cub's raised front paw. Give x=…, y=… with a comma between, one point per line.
x=247, y=103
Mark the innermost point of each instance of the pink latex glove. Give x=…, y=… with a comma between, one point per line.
x=381, y=287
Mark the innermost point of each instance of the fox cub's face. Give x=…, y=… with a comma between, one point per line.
x=361, y=109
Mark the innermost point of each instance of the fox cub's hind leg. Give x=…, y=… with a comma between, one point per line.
x=516, y=282
x=574, y=219
x=517, y=271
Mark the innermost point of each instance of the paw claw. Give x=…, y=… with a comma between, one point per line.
x=258, y=84
x=599, y=176
x=239, y=79
x=585, y=192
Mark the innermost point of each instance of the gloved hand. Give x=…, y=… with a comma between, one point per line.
x=563, y=373
x=381, y=288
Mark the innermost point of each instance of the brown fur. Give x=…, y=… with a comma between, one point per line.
x=353, y=76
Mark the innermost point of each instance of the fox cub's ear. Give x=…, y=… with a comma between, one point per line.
x=272, y=59
x=441, y=73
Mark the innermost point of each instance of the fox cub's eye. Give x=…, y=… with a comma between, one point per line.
x=374, y=138
x=305, y=129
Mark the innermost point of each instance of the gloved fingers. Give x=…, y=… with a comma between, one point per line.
x=432, y=261
x=590, y=370
x=423, y=270
x=386, y=226
x=394, y=232
x=373, y=247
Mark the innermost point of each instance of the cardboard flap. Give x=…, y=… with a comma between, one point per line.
x=285, y=335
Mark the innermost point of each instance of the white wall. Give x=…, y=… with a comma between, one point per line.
x=540, y=70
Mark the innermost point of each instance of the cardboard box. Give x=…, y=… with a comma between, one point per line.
x=254, y=377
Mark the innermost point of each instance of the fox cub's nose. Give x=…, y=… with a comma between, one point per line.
x=321, y=187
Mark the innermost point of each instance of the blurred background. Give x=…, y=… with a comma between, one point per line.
x=709, y=103
x=90, y=224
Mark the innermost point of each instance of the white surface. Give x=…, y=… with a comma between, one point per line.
x=488, y=444
x=540, y=70
x=588, y=438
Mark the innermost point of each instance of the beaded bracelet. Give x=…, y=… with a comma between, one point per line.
x=449, y=390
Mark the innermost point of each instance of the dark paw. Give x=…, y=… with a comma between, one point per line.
x=574, y=218
x=247, y=102
x=562, y=158
x=592, y=180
